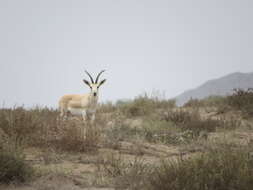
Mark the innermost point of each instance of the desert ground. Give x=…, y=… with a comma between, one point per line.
x=146, y=143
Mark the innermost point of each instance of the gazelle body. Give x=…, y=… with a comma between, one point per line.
x=82, y=104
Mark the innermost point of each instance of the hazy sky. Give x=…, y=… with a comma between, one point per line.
x=144, y=45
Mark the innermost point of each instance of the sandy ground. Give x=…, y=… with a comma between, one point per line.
x=76, y=171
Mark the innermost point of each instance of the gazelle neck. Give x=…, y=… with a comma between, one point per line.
x=93, y=100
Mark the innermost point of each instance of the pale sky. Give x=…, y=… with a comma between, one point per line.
x=144, y=45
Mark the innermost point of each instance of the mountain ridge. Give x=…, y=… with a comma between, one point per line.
x=218, y=87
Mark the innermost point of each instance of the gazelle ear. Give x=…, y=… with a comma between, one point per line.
x=102, y=82
x=86, y=82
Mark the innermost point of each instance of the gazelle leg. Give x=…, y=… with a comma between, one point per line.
x=93, y=118
x=84, y=115
x=62, y=114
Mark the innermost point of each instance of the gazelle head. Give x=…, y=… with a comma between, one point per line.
x=94, y=86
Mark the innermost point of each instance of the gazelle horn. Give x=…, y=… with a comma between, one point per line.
x=90, y=76
x=99, y=76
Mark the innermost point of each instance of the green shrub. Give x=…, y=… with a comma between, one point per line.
x=121, y=132
x=41, y=127
x=178, y=116
x=107, y=107
x=160, y=131
x=194, y=124
x=13, y=167
x=219, y=169
x=138, y=107
x=197, y=125
x=242, y=100
x=17, y=123
x=193, y=103
x=213, y=101
x=144, y=105
x=27, y=126
x=126, y=175
x=191, y=121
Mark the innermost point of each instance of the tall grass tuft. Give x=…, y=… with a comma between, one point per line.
x=144, y=106
x=42, y=127
x=13, y=167
x=242, y=100
x=192, y=122
x=219, y=169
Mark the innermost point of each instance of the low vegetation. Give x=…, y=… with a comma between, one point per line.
x=125, y=175
x=130, y=138
x=13, y=166
x=143, y=106
x=242, y=100
x=221, y=168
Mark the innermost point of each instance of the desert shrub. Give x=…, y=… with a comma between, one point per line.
x=69, y=136
x=138, y=107
x=219, y=169
x=42, y=127
x=213, y=101
x=151, y=130
x=74, y=136
x=92, y=138
x=224, y=166
x=193, y=103
x=217, y=103
x=177, y=116
x=126, y=175
x=242, y=100
x=13, y=167
x=164, y=104
x=16, y=123
x=197, y=125
x=160, y=131
x=107, y=107
x=191, y=121
x=144, y=105
x=120, y=132
x=155, y=130
x=230, y=123
x=26, y=126
x=223, y=108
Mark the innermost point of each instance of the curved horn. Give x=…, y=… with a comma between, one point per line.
x=99, y=75
x=89, y=76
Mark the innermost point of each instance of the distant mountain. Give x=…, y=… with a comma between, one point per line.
x=221, y=87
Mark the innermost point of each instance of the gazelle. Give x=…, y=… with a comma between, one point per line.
x=82, y=104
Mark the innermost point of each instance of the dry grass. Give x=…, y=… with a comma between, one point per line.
x=144, y=106
x=226, y=167
x=124, y=174
x=13, y=167
x=42, y=128
x=240, y=100
x=123, y=148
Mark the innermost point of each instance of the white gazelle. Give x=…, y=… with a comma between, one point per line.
x=82, y=104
